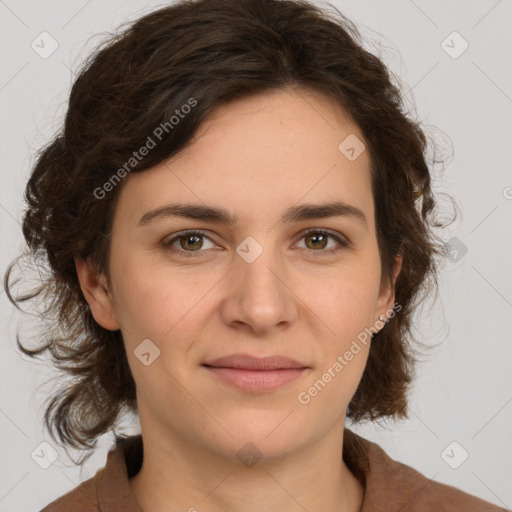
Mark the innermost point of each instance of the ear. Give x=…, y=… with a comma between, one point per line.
x=386, y=299
x=95, y=291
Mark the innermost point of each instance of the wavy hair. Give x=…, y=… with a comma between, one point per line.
x=214, y=51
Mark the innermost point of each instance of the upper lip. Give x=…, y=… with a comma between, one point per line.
x=248, y=362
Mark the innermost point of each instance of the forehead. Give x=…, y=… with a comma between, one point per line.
x=257, y=157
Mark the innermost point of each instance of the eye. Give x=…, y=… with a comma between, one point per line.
x=190, y=242
x=318, y=240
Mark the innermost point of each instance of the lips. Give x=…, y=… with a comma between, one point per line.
x=248, y=362
x=252, y=374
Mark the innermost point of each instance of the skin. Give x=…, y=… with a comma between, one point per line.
x=256, y=157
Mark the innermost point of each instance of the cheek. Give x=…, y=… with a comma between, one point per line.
x=156, y=302
x=141, y=301
x=345, y=299
x=347, y=308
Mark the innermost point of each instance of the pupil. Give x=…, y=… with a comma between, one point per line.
x=191, y=237
x=317, y=236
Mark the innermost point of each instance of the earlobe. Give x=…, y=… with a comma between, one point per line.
x=96, y=293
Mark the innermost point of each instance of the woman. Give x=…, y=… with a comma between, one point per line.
x=239, y=222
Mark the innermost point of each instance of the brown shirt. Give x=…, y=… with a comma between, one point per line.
x=390, y=486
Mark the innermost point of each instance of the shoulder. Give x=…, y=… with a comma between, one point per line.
x=424, y=494
x=392, y=485
x=83, y=498
x=109, y=489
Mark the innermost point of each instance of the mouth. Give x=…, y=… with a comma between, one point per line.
x=253, y=374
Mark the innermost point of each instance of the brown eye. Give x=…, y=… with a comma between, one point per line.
x=190, y=242
x=187, y=243
x=317, y=241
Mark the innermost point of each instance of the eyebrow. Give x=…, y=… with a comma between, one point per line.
x=297, y=213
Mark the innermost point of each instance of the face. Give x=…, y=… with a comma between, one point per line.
x=261, y=286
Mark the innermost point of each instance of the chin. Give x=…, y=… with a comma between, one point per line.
x=274, y=435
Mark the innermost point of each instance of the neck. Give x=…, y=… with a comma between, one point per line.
x=175, y=476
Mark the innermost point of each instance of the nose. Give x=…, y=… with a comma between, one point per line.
x=260, y=295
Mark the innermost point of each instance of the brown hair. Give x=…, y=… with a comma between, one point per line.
x=213, y=51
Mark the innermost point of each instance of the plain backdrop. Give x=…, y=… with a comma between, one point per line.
x=453, y=58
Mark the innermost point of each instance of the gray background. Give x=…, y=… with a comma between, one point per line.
x=463, y=390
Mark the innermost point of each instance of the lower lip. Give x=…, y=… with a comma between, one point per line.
x=254, y=381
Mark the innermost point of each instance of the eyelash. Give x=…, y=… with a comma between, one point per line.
x=312, y=231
